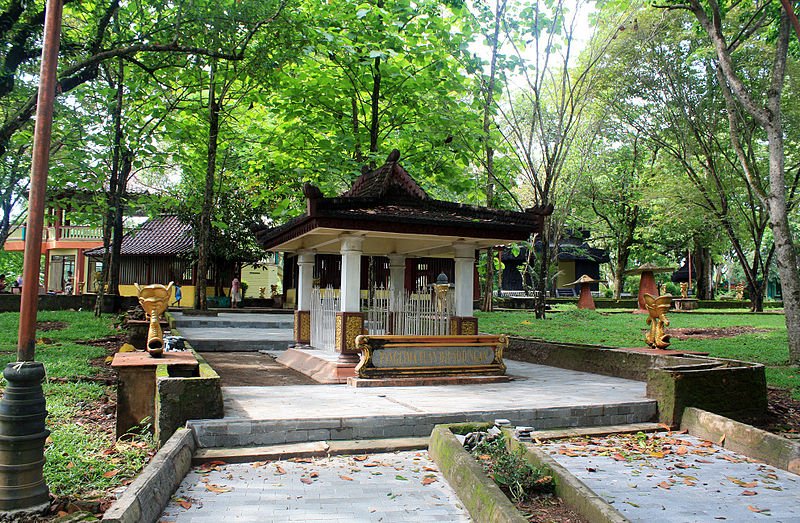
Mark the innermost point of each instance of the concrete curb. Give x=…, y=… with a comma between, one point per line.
x=482, y=498
x=570, y=489
x=145, y=498
x=743, y=439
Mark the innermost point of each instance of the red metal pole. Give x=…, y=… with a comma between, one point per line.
x=41, y=157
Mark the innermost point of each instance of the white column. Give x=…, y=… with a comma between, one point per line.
x=305, y=280
x=350, y=292
x=465, y=266
x=397, y=272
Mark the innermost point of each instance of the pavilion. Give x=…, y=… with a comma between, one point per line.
x=386, y=213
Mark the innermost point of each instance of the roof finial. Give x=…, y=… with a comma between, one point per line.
x=393, y=156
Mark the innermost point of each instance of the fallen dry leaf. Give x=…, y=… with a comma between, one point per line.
x=664, y=485
x=111, y=473
x=279, y=471
x=346, y=478
x=434, y=469
x=428, y=480
x=307, y=481
x=757, y=510
x=680, y=451
x=314, y=475
x=185, y=504
x=749, y=493
x=360, y=458
x=217, y=488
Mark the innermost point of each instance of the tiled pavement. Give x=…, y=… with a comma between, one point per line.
x=696, y=482
x=397, y=487
x=544, y=397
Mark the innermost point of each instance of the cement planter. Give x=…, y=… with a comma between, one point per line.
x=180, y=398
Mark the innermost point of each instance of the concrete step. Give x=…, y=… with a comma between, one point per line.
x=203, y=323
x=311, y=449
x=238, y=340
x=243, y=432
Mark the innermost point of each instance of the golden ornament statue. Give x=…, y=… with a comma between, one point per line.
x=154, y=299
x=657, y=308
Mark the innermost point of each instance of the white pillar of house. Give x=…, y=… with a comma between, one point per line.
x=465, y=267
x=305, y=280
x=397, y=272
x=350, y=292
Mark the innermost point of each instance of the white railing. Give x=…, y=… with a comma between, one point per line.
x=68, y=233
x=422, y=313
x=324, y=306
x=81, y=233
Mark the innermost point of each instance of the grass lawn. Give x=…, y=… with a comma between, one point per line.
x=83, y=461
x=768, y=346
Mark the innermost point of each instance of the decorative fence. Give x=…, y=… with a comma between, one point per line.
x=324, y=306
x=422, y=313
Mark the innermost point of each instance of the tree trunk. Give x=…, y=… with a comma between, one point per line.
x=542, y=272
x=487, y=304
x=110, y=217
x=204, y=233
x=785, y=254
x=115, y=263
x=374, y=127
x=703, y=272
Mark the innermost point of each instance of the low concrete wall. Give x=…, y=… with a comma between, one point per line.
x=144, y=499
x=484, y=500
x=590, y=358
x=181, y=398
x=735, y=389
x=744, y=439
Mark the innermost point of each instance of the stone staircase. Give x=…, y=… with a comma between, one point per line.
x=234, y=332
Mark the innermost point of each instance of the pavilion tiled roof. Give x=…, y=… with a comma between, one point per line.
x=388, y=199
x=165, y=235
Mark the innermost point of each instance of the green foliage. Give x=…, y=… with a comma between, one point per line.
x=512, y=472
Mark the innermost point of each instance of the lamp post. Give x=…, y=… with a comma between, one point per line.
x=22, y=409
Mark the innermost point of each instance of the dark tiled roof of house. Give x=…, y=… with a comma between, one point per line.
x=163, y=236
x=388, y=199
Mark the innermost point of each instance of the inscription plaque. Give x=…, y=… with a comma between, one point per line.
x=396, y=357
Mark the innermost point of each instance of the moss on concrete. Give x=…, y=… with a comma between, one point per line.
x=743, y=439
x=482, y=498
x=179, y=399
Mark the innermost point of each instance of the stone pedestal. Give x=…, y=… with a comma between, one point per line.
x=302, y=327
x=136, y=392
x=586, y=300
x=348, y=326
x=463, y=325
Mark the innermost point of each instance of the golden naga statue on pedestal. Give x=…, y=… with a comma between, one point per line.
x=154, y=299
x=657, y=307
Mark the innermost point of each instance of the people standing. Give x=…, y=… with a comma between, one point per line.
x=236, y=293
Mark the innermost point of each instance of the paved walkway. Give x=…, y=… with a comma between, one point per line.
x=536, y=386
x=680, y=479
x=399, y=487
x=543, y=397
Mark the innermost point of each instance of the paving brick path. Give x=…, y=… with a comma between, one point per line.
x=696, y=481
x=397, y=487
